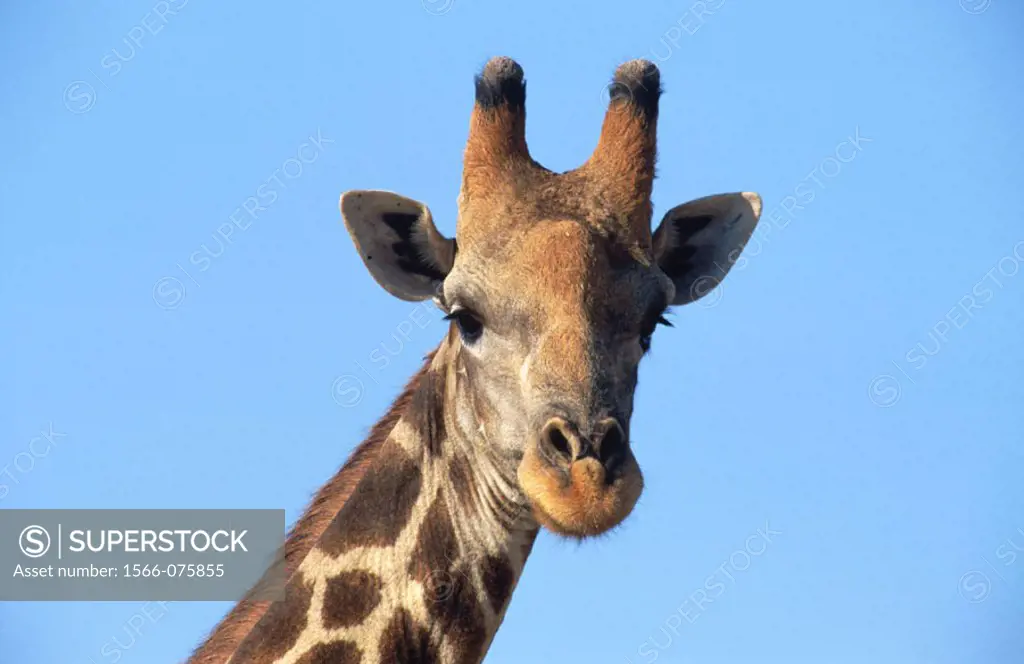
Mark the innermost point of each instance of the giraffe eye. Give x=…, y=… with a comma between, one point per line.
x=469, y=325
x=648, y=332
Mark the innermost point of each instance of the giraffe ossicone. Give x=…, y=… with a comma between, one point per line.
x=553, y=285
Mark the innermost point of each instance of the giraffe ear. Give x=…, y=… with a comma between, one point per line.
x=397, y=240
x=698, y=242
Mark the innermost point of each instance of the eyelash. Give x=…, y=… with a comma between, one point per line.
x=470, y=326
x=645, y=338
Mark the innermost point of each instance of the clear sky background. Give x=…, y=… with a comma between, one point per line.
x=855, y=387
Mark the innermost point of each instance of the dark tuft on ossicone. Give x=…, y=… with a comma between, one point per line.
x=501, y=84
x=638, y=83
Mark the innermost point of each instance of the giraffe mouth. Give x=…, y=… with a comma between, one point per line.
x=582, y=495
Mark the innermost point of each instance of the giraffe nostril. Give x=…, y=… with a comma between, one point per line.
x=563, y=446
x=612, y=446
x=559, y=442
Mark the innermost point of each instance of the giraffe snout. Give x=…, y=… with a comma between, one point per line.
x=563, y=445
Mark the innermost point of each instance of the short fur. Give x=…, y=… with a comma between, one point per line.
x=412, y=551
x=225, y=638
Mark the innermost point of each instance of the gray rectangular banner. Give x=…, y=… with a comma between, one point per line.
x=169, y=555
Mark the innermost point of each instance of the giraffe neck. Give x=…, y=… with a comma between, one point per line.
x=420, y=562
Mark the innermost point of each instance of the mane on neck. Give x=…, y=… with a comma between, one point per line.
x=307, y=531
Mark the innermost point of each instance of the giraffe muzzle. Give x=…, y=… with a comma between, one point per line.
x=562, y=444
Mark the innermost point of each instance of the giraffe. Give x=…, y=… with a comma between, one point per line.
x=553, y=286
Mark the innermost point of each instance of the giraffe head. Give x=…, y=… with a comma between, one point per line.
x=554, y=285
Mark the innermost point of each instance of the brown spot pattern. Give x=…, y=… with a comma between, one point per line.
x=426, y=411
x=450, y=595
x=461, y=475
x=460, y=618
x=350, y=598
x=527, y=545
x=338, y=652
x=406, y=642
x=380, y=506
x=436, y=548
x=280, y=627
x=499, y=578
x=226, y=637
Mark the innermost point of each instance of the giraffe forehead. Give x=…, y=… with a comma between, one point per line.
x=568, y=280
x=554, y=262
x=551, y=265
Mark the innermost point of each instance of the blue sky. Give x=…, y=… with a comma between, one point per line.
x=853, y=389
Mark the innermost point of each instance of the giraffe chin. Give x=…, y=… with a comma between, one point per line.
x=576, y=501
